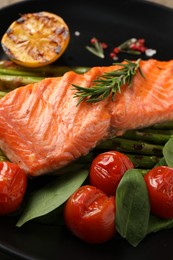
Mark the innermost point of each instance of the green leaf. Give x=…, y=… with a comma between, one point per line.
x=168, y=152
x=157, y=224
x=132, y=207
x=55, y=217
x=161, y=162
x=52, y=195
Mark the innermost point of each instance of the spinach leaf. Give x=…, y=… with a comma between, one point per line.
x=168, y=152
x=52, y=195
x=132, y=207
x=156, y=224
x=53, y=218
x=161, y=162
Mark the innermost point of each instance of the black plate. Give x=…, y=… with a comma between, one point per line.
x=112, y=24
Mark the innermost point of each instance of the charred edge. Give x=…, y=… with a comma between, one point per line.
x=8, y=52
x=138, y=147
x=63, y=31
x=157, y=151
x=20, y=20
x=58, y=49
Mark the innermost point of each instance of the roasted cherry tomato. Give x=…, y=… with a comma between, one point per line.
x=90, y=215
x=107, y=170
x=159, y=182
x=13, y=182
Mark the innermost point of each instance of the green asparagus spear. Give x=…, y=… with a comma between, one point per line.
x=9, y=82
x=3, y=93
x=144, y=161
x=158, y=131
x=13, y=76
x=164, y=126
x=130, y=146
x=86, y=159
x=154, y=138
x=10, y=68
x=139, y=160
x=20, y=72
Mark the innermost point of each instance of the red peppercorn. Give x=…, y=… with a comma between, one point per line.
x=116, y=50
x=141, y=41
x=112, y=54
x=142, y=48
x=93, y=40
x=133, y=46
x=104, y=45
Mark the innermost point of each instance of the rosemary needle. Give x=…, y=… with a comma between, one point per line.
x=108, y=83
x=96, y=48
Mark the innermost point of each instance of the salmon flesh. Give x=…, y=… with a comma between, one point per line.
x=42, y=129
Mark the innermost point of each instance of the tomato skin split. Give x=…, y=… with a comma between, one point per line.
x=13, y=183
x=107, y=169
x=159, y=182
x=90, y=215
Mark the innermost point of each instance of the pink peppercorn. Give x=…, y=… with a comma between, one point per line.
x=116, y=50
x=143, y=49
x=113, y=56
x=104, y=45
x=93, y=40
x=141, y=41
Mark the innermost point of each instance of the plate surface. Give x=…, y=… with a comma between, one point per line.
x=112, y=25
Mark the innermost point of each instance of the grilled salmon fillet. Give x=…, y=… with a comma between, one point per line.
x=42, y=129
x=149, y=101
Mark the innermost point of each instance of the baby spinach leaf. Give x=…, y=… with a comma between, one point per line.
x=168, y=152
x=132, y=207
x=156, y=224
x=53, y=218
x=52, y=195
x=161, y=162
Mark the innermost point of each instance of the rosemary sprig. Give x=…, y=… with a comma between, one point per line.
x=128, y=46
x=96, y=48
x=108, y=83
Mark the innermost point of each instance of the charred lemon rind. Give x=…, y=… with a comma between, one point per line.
x=36, y=39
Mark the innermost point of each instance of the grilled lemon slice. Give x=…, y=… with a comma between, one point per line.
x=36, y=39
